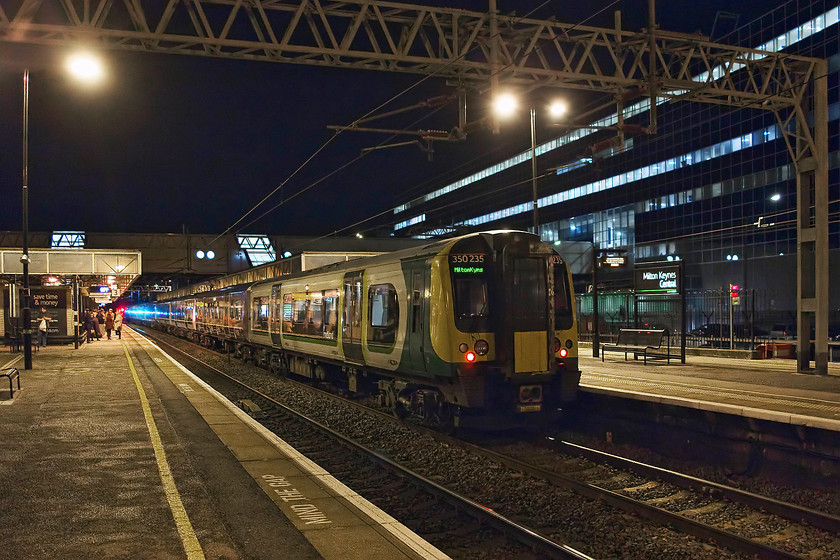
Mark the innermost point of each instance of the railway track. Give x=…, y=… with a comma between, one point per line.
x=455, y=524
x=749, y=524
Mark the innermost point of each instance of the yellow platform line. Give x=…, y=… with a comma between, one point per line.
x=182, y=520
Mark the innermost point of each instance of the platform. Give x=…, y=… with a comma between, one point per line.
x=113, y=450
x=768, y=389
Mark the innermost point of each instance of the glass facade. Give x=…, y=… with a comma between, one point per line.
x=714, y=186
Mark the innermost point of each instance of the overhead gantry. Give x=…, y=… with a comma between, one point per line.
x=483, y=50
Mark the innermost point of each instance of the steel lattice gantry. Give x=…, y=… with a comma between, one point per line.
x=483, y=49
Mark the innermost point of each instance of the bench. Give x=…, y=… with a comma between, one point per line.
x=12, y=374
x=641, y=341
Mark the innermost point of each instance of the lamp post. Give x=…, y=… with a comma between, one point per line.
x=505, y=105
x=86, y=68
x=24, y=259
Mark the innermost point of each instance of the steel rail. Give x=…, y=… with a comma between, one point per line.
x=793, y=512
x=520, y=533
x=686, y=525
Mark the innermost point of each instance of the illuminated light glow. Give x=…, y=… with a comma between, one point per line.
x=85, y=67
x=211, y=255
x=505, y=105
x=563, y=352
x=199, y=254
x=776, y=197
x=557, y=108
x=470, y=356
x=287, y=254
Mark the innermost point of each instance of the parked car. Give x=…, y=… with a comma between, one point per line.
x=783, y=331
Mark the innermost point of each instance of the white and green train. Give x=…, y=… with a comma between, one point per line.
x=476, y=327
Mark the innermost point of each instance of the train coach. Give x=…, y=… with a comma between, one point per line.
x=480, y=327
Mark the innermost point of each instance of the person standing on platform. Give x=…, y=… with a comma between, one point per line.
x=100, y=323
x=118, y=324
x=42, y=327
x=109, y=323
x=90, y=325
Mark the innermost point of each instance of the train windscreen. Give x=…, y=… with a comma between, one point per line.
x=470, y=282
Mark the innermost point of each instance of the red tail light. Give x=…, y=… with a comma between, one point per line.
x=470, y=356
x=563, y=352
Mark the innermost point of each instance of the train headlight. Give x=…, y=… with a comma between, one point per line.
x=463, y=347
x=470, y=356
x=563, y=352
x=556, y=345
x=481, y=347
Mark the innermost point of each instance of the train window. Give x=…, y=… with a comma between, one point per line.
x=472, y=309
x=383, y=314
x=313, y=314
x=330, y=313
x=530, y=303
x=237, y=309
x=260, y=314
x=563, y=314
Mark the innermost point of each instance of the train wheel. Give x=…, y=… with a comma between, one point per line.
x=444, y=418
x=399, y=411
x=392, y=401
x=280, y=366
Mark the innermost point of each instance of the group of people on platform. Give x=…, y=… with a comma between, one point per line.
x=100, y=323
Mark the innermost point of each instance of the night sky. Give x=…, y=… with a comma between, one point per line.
x=174, y=142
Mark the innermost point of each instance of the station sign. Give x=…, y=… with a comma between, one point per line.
x=612, y=261
x=657, y=278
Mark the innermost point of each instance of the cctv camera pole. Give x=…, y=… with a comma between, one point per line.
x=27, y=312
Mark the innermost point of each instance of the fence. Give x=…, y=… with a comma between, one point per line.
x=753, y=322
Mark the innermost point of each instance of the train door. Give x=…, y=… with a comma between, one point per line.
x=276, y=311
x=417, y=317
x=351, y=325
x=529, y=315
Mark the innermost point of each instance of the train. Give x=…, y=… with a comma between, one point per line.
x=474, y=330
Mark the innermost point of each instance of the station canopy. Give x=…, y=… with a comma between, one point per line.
x=90, y=268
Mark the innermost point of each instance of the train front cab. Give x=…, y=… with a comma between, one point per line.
x=512, y=335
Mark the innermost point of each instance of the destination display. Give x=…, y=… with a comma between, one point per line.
x=468, y=263
x=661, y=278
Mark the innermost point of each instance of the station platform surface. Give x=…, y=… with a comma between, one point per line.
x=114, y=451
x=765, y=389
